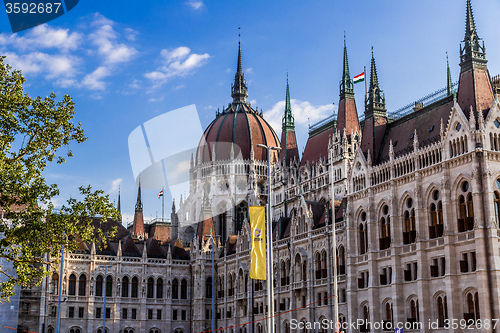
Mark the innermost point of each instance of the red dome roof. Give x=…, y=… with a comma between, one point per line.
x=242, y=126
x=239, y=128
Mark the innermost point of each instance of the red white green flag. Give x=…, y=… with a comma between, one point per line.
x=160, y=194
x=359, y=78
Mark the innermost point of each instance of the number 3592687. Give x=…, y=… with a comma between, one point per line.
x=32, y=8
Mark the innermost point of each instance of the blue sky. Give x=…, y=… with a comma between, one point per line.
x=125, y=62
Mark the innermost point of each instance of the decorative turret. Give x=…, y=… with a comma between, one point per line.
x=472, y=52
x=375, y=116
x=346, y=86
x=119, y=207
x=239, y=90
x=138, y=226
x=474, y=88
x=347, y=118
x=174, y=218
x=375, y=101
x=289, y=148
x=449, y=82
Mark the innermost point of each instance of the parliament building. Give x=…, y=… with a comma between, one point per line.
x=413, y=196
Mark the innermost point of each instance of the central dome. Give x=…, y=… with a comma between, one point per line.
x=238, y=130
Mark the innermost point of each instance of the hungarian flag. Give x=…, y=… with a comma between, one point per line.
x=160, y=194
x=359, y=78
x=258, y=231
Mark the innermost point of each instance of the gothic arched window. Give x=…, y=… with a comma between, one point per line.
x=442, y=310
x=109, y=286
x=135, y=287
x=72, y=285
x=385, y=228
x=409, y=227
x=159, y=288
x=98, y=285
x=150, y=290
x=175, y=289
x=125, y=286
x=82, y=282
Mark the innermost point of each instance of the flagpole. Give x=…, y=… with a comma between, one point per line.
x=162, y=206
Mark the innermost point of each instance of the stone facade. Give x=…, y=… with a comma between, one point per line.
x=414, y=200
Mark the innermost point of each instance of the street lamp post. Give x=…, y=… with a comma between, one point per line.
x=213, y=279
x=334, y=242
x=269, y=245
x=58, y=323
x=104, y=307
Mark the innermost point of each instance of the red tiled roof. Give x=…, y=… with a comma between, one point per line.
x=317, y=146
x=290, y=151
x=347, y=116
x=426, y=121
x=160, y=232
x=241, y=125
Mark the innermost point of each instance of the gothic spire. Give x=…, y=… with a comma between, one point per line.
x=288, y=120
x=138, y=225
x=474, y=85
x=288, y=142
x=346, y=83
x=472, y=51
x=449, y=82
x=239, y=90
x=138, y=204
x=375, y=99
x=119, y=206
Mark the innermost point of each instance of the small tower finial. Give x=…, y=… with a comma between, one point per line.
x=449, y=82
x=239, y=90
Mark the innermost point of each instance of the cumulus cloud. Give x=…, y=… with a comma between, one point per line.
x=93, y=81
x=304, y=113
x=176, y=62
x=196, y=5
x=115, y=185
x=53, y=66
x=131, y=34
x=105, y=38
x=81, y=58
x=43, y=37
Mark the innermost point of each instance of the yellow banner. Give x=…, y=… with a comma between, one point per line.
x=258, y=233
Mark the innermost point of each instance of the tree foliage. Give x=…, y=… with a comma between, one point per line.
x=35, y=132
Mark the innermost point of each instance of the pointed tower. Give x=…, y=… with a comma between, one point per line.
x=474, y=87
x=138, y=226
x=449, y=82
x=119, y=207
x=174, y=232
x=375, y=116
x=347, y=118
x=239, y=90
x=289, y=148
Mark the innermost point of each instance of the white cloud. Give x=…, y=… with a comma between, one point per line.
x=131, y=34
x=43, y=37
x=112, y=52
x=196, y=5
x=153, y=100
x=65, y=56
x=115, y=185
x=93, y=81
x=53, y=66
x=304, y=113
x=176, y=62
